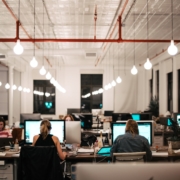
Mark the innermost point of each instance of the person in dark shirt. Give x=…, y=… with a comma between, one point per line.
x=131, y=141
x=46, y=139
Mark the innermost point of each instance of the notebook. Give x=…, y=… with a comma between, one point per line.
x=5, y=141
x=104, y=151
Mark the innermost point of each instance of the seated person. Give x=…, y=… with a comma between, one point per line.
x=68, y=117
x=131, y=141
x=46, y=139
x=4, y=132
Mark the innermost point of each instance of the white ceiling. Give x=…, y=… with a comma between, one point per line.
x=74, y=19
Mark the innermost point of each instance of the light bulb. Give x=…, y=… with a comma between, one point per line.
x=7, y=86
x=14, y=87
x=113, y=83
x=48, y=76
x=0, y=83
x=18, y=49
x=100, y=90
x=42, y=71
x=28, y=90
x=106, y=87
x=118, y=80
x=172, y=49
x=24, y=90
x=33, y=62
x=52, y=81
x=109, y=85
x=20, y=88
x=134, y=70
x=148, y=64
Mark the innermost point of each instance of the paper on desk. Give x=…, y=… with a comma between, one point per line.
x=15, y=155
x=82, y=150
x=177, y=151
x=2, y=154
x=159, y=154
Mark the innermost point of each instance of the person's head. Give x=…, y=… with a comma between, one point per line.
x=68, y=118
x=45, y=128
x=2, y=124
x=132, y=127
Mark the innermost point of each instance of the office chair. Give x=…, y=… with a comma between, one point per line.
x=129, y=157
x=39, y=163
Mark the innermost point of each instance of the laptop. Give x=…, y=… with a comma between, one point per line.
x=104, y=151
x=5, y=141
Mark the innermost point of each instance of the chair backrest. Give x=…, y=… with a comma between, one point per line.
x=129, y=157
x=39, y=163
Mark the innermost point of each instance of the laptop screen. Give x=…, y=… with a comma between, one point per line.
x=104, y=150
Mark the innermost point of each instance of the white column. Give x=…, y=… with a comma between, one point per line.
x=175, y=85
x=10, y=114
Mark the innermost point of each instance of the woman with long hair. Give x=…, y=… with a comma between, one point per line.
x=47, y=139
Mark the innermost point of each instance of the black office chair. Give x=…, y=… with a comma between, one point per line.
x=39, y=163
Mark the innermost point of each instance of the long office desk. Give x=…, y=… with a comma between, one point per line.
x=80, y=157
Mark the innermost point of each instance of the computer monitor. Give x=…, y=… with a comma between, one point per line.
x=108, y=113
x=29, y=116
x=177, y=118
x=136, y=116
x=32, y=128
x=145, y=129
x=73, y=110
x=86, y=120
x=167, y=121
x=146, y=116
x=73, y=132
x=121, y=116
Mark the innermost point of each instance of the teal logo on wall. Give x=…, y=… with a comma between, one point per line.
x=48, y=105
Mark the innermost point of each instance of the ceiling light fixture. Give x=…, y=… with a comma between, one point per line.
x=18, y=49
x=20, y=88
x=7, y=86
x=14, y=87
x=148, y=64
x=172, y=49
x=134, y=69
x=34, y=62
x=48, y=76
x=0, y=83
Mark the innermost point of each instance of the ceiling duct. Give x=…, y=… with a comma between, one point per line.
x=90, y=55
x=2, y=57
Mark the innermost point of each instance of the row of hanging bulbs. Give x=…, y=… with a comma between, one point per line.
x=14, y=87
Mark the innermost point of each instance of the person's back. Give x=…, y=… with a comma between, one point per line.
x=48, y=141
x=131, y=141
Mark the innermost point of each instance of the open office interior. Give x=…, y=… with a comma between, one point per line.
x=71, y=38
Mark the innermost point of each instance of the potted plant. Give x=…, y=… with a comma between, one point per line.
x=153, y=106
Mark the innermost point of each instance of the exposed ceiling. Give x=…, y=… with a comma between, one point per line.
x=75, y=19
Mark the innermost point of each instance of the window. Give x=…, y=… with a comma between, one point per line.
x=157, y=84
x=90, y=83
x=169, y=92
x=151, y=88
x=44, y=97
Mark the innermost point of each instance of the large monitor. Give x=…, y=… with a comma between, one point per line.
x=145, y=129
x=108, y=113
x=29, y=116
x=136, y=116
x=73, y=110
x=167, y=121
x=73, y=132
x=146, y=116
x=121, y=116
x=32, y=128
x=177, y=118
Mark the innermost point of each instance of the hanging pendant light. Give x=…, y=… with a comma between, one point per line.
x=14, y=87
x=109, y=86
x=7, y=86
x=172, y=49
x=19, y=88
x=28, y=90
x=113, y=83
x=18, y=49
x=48, y=76
x=134, y=70
x=118, y=80
x=148, y=64
x=34, y=62
x=0, y=83
x=42, y=71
